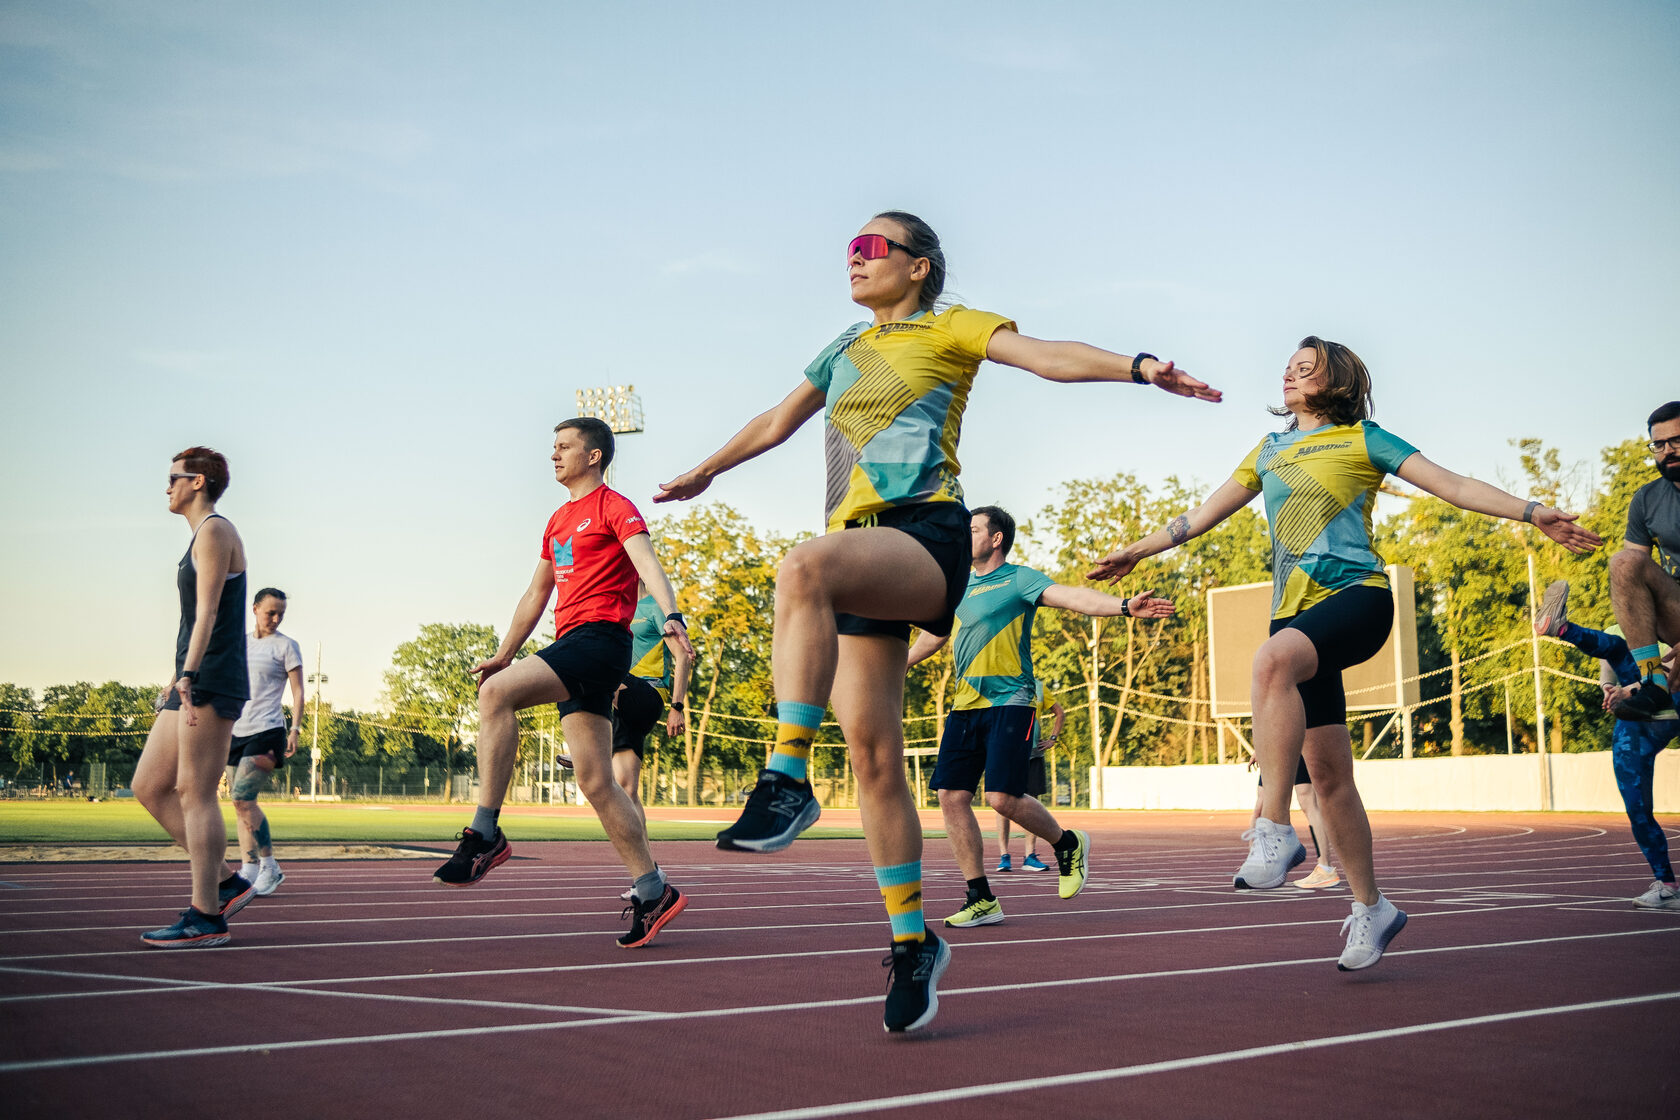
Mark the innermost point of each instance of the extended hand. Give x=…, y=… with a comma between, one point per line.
x=1561, y=528
x=184, y=688
x=1145, y=605
x=490, y=667
x=291, y=743
x=688, y=485
x=1166, y=376
x=675, y=722
x=1111, y=567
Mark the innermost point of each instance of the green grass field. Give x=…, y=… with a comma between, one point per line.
x=70, y=822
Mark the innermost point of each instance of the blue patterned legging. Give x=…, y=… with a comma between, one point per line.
x=1633, y=753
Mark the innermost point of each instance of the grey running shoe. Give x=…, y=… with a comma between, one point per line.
x=1554, y=609
x=1659, y=896
x=1273, y=851
x=1368, y=930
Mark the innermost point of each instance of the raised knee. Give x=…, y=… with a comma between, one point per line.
x=1627, y=564
x=800, y=574
x=1000, y=803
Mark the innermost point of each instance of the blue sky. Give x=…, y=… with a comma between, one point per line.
x=371, y=251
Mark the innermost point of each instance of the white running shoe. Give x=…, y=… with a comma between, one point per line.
x=1658, y=896
x=1368, y=930
x=269, y=879
x=1273, y=851
x=1322, y=877
x=629, y=895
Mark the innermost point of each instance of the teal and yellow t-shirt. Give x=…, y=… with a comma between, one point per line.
x=992, y=641
x=1320, y=488
x=896, y=395
x=650, y=657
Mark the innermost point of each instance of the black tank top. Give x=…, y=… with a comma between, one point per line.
x=223, y=669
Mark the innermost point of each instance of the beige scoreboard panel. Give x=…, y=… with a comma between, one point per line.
x=1239, y=619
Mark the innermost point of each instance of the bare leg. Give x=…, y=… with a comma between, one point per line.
x=1646, y=599
x=155, y=779
x=1002, y=831
x=1283, y=661
x=868, y=700
x=1028, y=812
x=1315, y=819
x=589, y=738
x=199, y=762
x=962, y=828
x=244, y=783
x=627, y=772
x=1329, y=754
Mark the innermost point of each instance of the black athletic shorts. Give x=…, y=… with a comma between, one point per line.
x=638, y=710
x=995, y=741
x=228, y=707
x=1346, y=629
x=1302, y=778
x=264, y=744
x=591, y=661
x=942, y=529
x=1038, y=779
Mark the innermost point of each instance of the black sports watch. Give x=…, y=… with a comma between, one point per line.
x=676, y=616
x=1137, y=367
x=1125, y=608
x=676, y=705
x=190, y=674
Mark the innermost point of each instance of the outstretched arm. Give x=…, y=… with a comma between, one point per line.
x=764, y=431
x=525, y=617
x=1076, y=361
x=926, y=646
x=640, y=550
x=1222, y=503
x=1100, y=604
x=1481, y=497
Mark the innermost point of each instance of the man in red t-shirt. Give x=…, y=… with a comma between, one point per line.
x=594, y=549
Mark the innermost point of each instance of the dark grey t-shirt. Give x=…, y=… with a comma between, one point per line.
x=1654, y=519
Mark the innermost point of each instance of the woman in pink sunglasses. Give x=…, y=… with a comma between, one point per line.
x=896, y=553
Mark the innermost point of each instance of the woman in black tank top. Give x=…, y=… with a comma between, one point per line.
x=188, y=745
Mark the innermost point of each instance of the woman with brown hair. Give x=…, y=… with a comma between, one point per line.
x=1331, y=606
x=188, y=745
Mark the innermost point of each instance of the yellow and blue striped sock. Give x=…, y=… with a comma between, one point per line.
x=796, y=726
x=901, y=887
x=1650, y=665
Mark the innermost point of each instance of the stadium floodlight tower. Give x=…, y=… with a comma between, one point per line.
x=619, y=405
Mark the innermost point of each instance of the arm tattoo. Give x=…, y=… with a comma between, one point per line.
x=1179, y=529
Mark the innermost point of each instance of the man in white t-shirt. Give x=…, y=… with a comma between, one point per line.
x=260, y=738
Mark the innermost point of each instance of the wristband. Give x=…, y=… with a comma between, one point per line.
x=190, y=675
x=1137, y=368
x=1528, y=512
x=676, y=616
x=1125, y=608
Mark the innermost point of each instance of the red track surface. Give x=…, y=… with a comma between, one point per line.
x=1525, y=985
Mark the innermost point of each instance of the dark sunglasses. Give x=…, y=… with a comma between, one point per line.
x=872, y=247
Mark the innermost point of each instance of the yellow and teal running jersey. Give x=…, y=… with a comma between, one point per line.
x=896, y=395
x=1320, y=489
x=992, y=641
x=650, y=657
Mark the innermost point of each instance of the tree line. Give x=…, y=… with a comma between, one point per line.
x=1135, y=692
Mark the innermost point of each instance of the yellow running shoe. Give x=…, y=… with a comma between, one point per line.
x=1070, y=866
x=978, y=912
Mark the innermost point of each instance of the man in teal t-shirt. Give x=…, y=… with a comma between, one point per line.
x=990, y=726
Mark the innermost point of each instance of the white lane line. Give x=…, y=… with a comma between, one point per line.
x=1200, y=1061
x=728, y=1012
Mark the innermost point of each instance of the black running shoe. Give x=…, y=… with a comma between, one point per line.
x=193, y=931
x=1650, y=702
x=232, y=895
x=473, y=859
x=648, y=918
x=777, y=811
x=913, y=994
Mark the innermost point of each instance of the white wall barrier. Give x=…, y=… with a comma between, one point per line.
x=1579, y=783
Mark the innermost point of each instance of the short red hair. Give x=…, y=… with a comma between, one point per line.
x=210, y=463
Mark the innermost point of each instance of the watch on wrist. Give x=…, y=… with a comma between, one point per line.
x=676, y=616
x=1125, y=608
x=1137, y=367
x=190, y=675
x=676, y=705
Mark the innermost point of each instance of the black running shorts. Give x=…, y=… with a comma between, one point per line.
x=942, y=529
x=228, y=707
x=1346, y=629
x=270, y=743
x=591, y=661
x=638, y=710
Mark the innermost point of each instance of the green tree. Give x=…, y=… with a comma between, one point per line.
x=431, y=688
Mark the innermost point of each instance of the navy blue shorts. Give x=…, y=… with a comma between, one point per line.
x=995, y=741
x=591, y=661
x=942, y=529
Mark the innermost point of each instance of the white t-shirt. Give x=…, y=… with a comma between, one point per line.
x=268, y=661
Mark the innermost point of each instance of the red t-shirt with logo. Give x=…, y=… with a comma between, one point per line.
x=584, y=541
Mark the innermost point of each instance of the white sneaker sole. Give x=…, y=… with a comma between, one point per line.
x=1257, y=879
x=991, y=919
x=806, y=818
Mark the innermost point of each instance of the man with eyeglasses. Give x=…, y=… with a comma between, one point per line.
x=1646, y=592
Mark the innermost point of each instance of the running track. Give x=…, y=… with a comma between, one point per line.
x=1525, y=985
